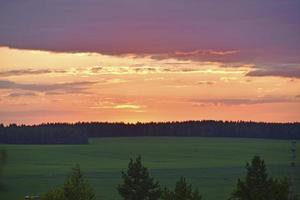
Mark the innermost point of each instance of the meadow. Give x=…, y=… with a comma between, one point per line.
x=212, y=164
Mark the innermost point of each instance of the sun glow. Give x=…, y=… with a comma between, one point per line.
x=36, y=86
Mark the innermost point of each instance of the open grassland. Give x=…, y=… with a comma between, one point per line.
x=212, y=164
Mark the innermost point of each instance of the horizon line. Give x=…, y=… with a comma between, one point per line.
x=148, y=122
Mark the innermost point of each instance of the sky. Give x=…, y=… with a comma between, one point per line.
x=149, y=60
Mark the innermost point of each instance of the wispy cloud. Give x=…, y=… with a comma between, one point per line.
x=284, y=72
x=205, y=67
x=158, y=68
x=206, y=82
x=242, y=101
x=127, y=106
x=120, y=103
x=34, y=113
x=205, y=52
x=21, y=72
x=21, y=94
x=201, y=55
x=67, y=87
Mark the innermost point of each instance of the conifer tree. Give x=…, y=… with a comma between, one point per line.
x=55, y=194
x=76, y=188
x=137, y=183
x=182, y=191
x=257, y=185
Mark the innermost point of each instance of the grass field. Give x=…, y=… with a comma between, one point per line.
x=212, y=164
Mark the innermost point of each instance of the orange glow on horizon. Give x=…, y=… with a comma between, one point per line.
x=41, y=86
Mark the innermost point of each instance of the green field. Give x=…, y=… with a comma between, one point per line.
x=212, y=164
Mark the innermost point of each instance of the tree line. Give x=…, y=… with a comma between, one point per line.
x=206, y=128
x=137, y=184
x=78, y=133
x=42, y=134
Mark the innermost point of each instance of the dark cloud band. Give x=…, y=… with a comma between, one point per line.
x=288, y=73
x=155, y=27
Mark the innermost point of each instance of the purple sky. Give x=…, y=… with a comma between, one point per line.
x=263, y=32
x=153, y=26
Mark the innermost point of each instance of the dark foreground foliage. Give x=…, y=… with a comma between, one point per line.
x=182, y=191
x=137, y=183
x=258, y=186
x=78, y=133
x=74, y=188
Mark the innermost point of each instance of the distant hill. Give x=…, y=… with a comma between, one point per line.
x=78, y=133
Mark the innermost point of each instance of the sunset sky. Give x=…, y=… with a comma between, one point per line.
x=149, y=60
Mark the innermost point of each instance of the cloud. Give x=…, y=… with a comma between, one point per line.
x=4, y=115
x=201, y=55
x=54, y=93
x=179, y=26
x=206, y=82
x=206, y=52
x=284, y=72
x=242, y=101
x=68, y=87
x=127, y=106
x=204, y=67
x=21, y=72
x=117, y=103
x=20, y=94
x=96, y=69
